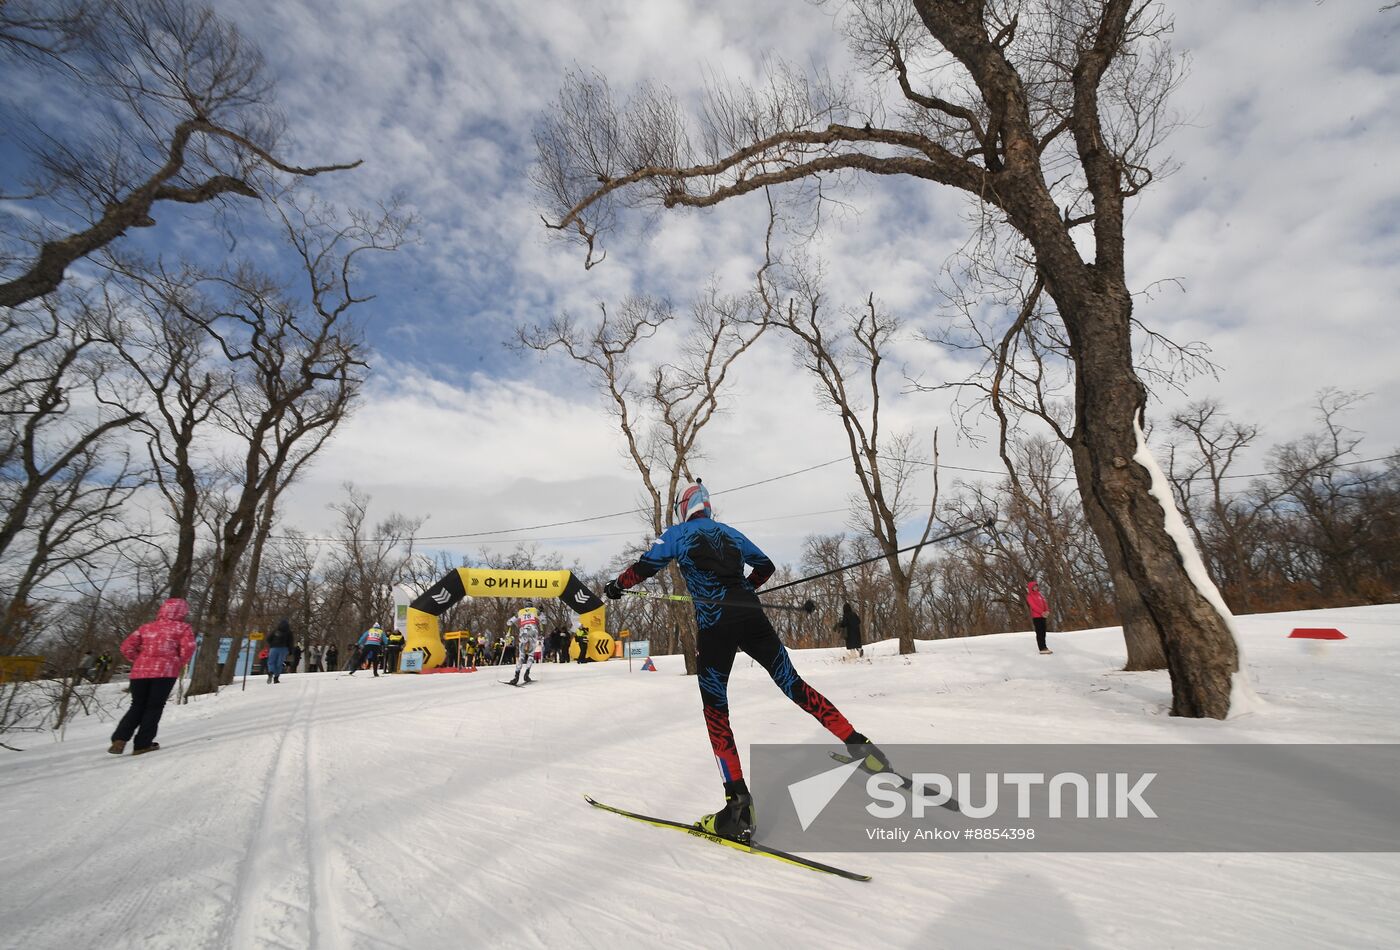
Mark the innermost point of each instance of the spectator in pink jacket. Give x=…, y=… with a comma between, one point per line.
x=1035, y=600
x=157, y=651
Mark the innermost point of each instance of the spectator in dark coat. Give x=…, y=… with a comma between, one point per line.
x=279, y=643
x=393, y=649
x=850, y=624
x=157, y=651
x=332, y=657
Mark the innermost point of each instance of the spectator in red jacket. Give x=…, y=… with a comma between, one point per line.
x=1035, y=600
x=157, y=651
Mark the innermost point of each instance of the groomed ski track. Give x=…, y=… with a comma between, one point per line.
x=440, y=812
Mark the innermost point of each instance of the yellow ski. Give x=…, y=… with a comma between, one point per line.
x=751, y=847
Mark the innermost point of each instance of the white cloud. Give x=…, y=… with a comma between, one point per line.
x=1282, y=224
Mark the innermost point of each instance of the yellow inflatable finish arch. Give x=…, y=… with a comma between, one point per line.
x=423, y=631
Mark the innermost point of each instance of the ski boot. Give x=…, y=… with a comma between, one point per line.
x=872, y=759
x=527, y=677
x=735, y=820
x=514, y=680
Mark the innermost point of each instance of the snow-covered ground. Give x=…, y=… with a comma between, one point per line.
x=447, y=811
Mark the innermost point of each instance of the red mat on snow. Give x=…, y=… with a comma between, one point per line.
x=1316, y=633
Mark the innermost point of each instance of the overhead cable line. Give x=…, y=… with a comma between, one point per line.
x=558, y=524
x=801, y=471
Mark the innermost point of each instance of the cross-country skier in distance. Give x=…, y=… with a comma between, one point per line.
x=370, y=643
x=527, y=626
x=711, y=557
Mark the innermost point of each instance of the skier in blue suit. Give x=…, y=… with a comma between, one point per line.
x=711, y=557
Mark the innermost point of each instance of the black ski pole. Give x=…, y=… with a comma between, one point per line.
x=880, y=557
x=806, y=607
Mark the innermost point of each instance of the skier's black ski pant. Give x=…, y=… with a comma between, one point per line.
x=715, y=659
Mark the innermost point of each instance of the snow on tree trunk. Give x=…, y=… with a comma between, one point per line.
x=1195, y=637
x=1243, y=699
x=1109, y=399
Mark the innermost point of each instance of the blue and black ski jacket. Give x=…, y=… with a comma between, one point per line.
x=711, y=557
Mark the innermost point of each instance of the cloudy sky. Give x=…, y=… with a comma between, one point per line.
x=1282, y=226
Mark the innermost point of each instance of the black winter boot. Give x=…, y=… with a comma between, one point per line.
x=735, y=820
x=873, y=759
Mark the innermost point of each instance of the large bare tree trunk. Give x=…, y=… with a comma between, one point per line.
x=205, y=677
x=687, y=629
x=182, y=568
x=1109, y=399
x=1140, y=636
x=903, y=614
x=250, y=587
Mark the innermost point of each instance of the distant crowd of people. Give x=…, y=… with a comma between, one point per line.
x=552, y=647
x=374, y=650
x=381, y=651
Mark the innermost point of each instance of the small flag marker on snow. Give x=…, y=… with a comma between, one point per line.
x=648, y=665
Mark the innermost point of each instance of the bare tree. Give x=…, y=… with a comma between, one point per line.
x=293, y=571
x=1227, y=525
x=1331, y=509
x=58, y=415
x=1041, y=533
x=866, y=586
x=308, y=447
x=844, y=355
x=661, y=410
x=169, y=355
x=45, y=30
x=366, y=568
x=1003, y=316
x=79, y=523
x=1046, y=114
x=183, y=111
x=299, y=366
